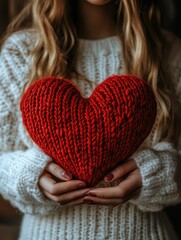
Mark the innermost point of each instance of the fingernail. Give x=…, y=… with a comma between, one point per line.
x=91, y=194
x=61, y=203
x=67, y=175
x=109, y=177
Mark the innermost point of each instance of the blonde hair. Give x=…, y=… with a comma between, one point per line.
x=138, y=25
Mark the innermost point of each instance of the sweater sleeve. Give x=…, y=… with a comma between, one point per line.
x=161, y=183
x=160, y=165
x=19, y=174
x=21, y=162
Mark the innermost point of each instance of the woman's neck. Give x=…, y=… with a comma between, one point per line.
x=95, y=21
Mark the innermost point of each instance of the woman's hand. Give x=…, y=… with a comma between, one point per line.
x=56, y=184
x=128, y=188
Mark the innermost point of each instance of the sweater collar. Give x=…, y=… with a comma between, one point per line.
x=109, y=44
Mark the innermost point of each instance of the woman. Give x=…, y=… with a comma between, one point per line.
x=87, y=41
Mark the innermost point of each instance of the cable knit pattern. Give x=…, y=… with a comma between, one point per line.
x=21, y=162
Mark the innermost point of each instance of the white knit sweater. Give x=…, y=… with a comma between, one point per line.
x=21, y=162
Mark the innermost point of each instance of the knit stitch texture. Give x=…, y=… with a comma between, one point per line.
x=88, y=137
x=22, y=162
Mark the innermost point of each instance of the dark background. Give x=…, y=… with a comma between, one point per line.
x=170, y=9
x=171, y=19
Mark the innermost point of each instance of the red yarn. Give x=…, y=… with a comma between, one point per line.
x=89, y=136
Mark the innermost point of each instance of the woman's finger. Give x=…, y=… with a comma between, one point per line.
x=63, y=198
x=121, y=170
x=102, y=201
x=58, y=172
x=111, y=201
x=132, y=182
x=73, y=203
x=52, y=187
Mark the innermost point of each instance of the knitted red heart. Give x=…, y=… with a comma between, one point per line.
x=89, y=136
